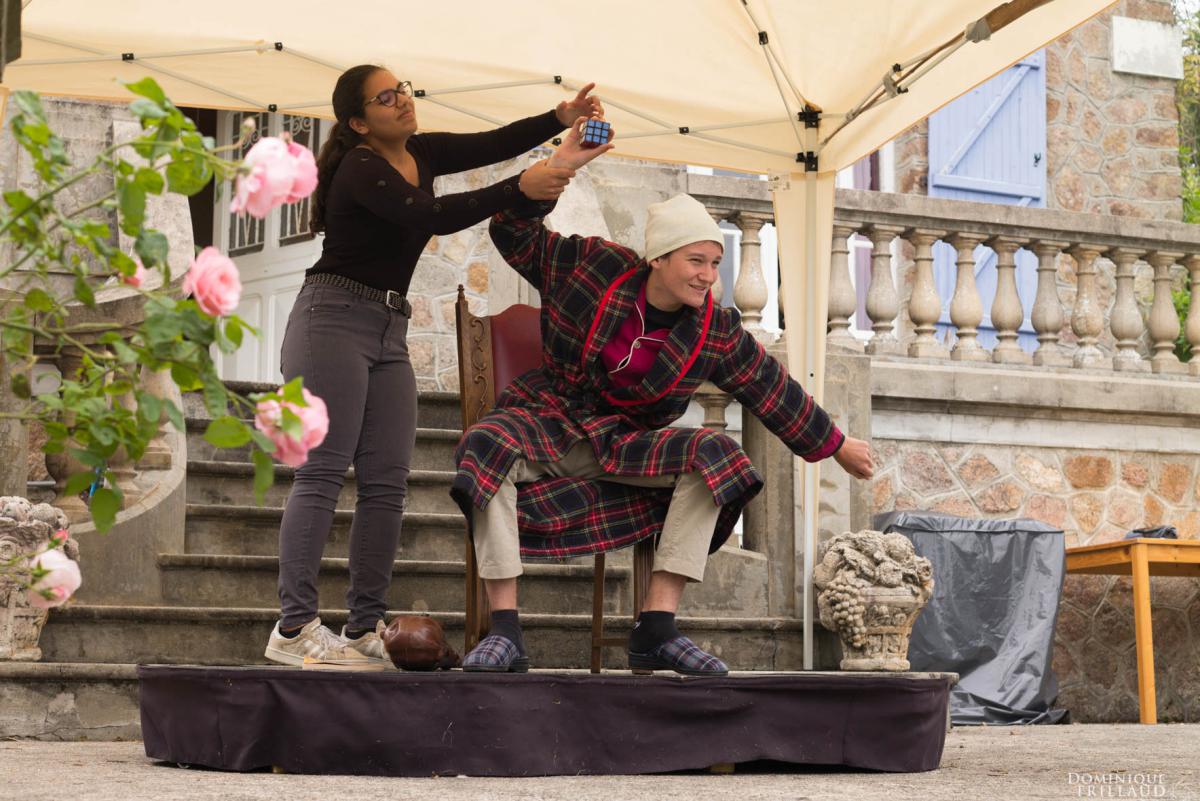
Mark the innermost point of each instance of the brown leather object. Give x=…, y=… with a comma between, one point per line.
x=418, y=643
x=516, y=344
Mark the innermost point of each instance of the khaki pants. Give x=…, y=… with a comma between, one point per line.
x=682, y=549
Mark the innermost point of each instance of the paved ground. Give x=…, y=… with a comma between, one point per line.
x=1045, y=762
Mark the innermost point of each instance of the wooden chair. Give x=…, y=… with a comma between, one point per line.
x=492, y=351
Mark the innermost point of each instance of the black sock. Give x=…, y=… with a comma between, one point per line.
x=506, y=623
x=354, y=634
x=651, y=630
x=290, y=635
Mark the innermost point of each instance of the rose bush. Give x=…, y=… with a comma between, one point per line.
x=81, y=415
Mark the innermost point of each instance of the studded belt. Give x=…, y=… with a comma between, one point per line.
x=388, y=297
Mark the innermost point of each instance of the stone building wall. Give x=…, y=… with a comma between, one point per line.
x=1111, y=138
x=1095, y=496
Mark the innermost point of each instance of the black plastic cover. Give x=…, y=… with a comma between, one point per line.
x=997, y=585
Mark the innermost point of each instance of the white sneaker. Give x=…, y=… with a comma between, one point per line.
x=316, y=646
x=370, y=644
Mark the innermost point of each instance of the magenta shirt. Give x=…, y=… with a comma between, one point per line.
x=629, y=355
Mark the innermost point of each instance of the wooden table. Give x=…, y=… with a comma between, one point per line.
x=1141, y=558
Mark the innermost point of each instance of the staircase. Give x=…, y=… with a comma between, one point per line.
x=219, y=601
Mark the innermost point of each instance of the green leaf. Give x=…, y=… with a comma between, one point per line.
x=216, y=398
x=186, y=377
x=20, y=386
x=145, y=110
x=87, y=458
x=264, y=475
x=105, y=505
x=174, y=415
x=149, y=180
x=148, y=88
x=149, y=407
x=132, y=199
x=292, y=391
x=17, y=200
x=188, y=175
x=83, y=292
x=39, y=300
x=78, y=482
x=152, y=247
x=289, y=424
x=262, y=440
x=233, y=330
x=227, y=432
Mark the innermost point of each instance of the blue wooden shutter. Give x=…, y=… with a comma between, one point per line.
x=989, y=146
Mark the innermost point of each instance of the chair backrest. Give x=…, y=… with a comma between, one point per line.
x=492, y=351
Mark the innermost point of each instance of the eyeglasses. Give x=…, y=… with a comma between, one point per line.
x=387, y=98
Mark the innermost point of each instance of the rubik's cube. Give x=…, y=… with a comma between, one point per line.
x=595, y=133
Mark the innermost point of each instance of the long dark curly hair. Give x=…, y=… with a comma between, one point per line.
x=347, y=103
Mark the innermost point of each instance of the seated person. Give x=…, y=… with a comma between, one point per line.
x=577, y=456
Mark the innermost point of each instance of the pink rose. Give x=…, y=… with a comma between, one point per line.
x=306, y=173
x=314, y=425
x=58, y=538
x=212, y=279
x=54, y=588
x=137, y=279
x=280, y=172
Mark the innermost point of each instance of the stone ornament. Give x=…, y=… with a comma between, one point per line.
x=25, y=528
x=871, y=588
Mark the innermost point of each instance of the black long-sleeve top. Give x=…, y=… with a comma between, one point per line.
x=377, y=223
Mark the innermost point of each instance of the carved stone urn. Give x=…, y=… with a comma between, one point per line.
x=24, y=529
x=871, y=588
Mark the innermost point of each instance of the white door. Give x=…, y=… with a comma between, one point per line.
x=271, y=255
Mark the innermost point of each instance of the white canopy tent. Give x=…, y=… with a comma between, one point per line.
x=724, y=83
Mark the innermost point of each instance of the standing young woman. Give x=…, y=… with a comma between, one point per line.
x=347, y=330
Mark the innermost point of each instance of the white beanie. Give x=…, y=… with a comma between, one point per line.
x=676, y=222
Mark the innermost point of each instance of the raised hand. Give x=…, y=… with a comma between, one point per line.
x=580, y=106
x=544, y=182
x=571, y=153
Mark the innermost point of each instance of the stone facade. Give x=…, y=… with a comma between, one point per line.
x=1111, y=138
x=1095, y=496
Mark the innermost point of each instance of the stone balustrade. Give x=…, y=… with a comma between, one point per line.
x=1088, y=310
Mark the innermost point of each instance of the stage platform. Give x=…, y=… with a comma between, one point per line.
x=542, y=723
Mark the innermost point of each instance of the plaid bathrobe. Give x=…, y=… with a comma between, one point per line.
x=588, y=287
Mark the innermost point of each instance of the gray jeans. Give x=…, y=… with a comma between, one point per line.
x=353, y=355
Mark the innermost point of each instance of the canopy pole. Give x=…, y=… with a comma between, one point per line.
x=809, y=469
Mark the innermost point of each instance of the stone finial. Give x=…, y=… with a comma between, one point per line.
x=871, y=588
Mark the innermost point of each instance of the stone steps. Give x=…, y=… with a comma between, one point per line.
x=69, y=701
x=208, y=580
x=238, y=635
x=434, y=409
x=254, y=531
x=232, y=483
x=434, y=449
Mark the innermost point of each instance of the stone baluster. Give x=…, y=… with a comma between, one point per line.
x=714, y=401
x=966, y=312
x=157, y=455
x=925, y=307
x=1192, y=329
x=1047, y=314
x=842, y=300
x=1087, y=318
x=1164, y=322
x=1125, y=317
x=750, y=288
x=1007, y=314
x=883, y=304
x=62, y=466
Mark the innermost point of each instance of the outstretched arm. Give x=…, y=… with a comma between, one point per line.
x=450, y=153
x=761, y=384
